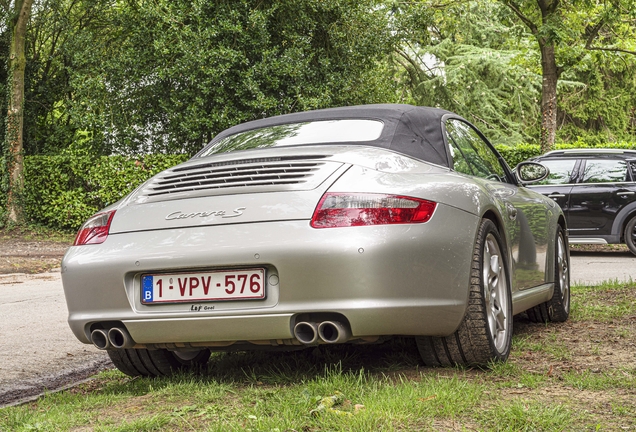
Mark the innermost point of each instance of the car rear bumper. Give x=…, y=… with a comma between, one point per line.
x=383, y=280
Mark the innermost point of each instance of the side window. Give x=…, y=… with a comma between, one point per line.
x=632, y=167
x=460, y=164
x=471, y=155
x=561, y=171
x=605, y=171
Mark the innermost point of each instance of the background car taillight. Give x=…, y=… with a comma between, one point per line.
x=95, y=230
x=345, y=210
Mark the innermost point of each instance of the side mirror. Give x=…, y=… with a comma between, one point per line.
x=531, y=172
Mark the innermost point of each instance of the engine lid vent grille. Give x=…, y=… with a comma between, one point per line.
x=275, y=172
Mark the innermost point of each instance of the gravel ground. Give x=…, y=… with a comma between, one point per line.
x=20, y=255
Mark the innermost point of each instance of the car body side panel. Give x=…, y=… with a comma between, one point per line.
x=560, y=194
x=527, y=233
x=529, y=221
x=595, y=209
x=532, y=221
x=594, y=206
x=398, y=279
x=626, y=213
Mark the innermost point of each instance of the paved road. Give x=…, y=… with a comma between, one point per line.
x=39, y=352
x=589, y=268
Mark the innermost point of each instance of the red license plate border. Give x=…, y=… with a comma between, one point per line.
x=200, y=273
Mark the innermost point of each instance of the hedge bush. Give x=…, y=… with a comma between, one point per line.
x=61, y=192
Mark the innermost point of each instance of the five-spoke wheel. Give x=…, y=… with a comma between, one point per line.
x=495, y=293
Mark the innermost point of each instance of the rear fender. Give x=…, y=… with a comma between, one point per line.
x=619, y=222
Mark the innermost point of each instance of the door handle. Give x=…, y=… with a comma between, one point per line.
x=625, y=193
x=556, y=195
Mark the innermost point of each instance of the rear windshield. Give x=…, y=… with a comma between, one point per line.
x=324, y=131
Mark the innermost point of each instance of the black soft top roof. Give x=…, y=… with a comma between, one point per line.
x=414, y=131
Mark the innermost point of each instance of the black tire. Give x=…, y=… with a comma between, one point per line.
x=557, y=309
x=630, y=235
x=485, y=334
x=155, y=363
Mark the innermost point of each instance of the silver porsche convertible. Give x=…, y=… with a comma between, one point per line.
x=344, y=225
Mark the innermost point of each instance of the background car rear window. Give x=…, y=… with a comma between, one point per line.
x=324, y=131
x=605, y=171
x=561, y=171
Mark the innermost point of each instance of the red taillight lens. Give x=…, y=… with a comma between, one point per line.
x=345, y=210
x=95, y=230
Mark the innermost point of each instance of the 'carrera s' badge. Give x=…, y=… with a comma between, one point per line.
x=204, y=214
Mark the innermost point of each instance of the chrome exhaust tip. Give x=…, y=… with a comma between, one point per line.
x=100, y=339
x=306, y=332
x=333, y=332
x=119, y=338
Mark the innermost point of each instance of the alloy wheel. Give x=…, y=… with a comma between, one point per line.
x=495, y=292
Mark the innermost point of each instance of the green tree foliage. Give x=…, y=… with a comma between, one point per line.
x=566, y=31
x=478, y=59
x=601, y=105
x=466, y=58
x=134, y=76
x=52, y=106
x=156, y=75
x=170, y=74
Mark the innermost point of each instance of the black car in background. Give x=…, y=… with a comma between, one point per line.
x=596, y=190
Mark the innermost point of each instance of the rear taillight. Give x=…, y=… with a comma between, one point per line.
x=95, y=230
x=346, y=210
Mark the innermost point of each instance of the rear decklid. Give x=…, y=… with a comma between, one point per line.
x=211, y=192
x=246, y=187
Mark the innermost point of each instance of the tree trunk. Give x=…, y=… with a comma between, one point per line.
x=15, y=114
x=548, y=97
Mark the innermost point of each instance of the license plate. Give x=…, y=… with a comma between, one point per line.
x=222, y=285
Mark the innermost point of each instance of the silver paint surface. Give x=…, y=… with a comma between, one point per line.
x=410, y=279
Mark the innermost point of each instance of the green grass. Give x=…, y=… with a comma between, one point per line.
x=606, y=302
x=551, y=346
x=186, y=403
x=379, y=387
x=524, y=415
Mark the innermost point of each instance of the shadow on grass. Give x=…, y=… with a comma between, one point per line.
x=277, y=367
x=306, y=364
x=280, y=368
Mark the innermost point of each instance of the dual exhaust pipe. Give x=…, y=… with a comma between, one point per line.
x=307, y=333
x=331, y=332
x=115, y=337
